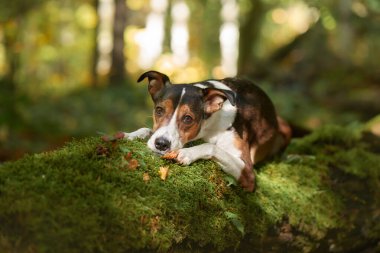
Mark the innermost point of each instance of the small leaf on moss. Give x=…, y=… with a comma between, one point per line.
x=133, y=164
x=170, y=155
x=230, y=180
x=128, y=156
x=146, y=177
x=163, y=171
x=154, y=224
x=102, y=151
x=234, y=218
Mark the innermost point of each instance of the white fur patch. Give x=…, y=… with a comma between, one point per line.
x=218, y=121
x=216, y=85
x=169, y=132
x=202, y=86
x=141, y=133
x=187, y=156
x=221, y=147
x=225, y=140
x=223, y=151
x=219, y=85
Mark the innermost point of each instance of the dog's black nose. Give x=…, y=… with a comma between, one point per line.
x=162, y=144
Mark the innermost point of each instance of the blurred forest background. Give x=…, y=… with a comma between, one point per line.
x=68, y=68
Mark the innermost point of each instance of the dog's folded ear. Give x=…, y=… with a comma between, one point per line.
x=157, y=81
x=214, y=99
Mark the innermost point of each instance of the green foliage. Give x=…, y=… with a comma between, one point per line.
x=331, y=135
x=37, y=124
x=87, y=111
x=15, y=8
x=50, y=49
x=89, y=196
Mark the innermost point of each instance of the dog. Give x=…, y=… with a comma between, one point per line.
x=234, y=117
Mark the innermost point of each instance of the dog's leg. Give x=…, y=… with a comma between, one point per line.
x=232, y=165
x=141, y=133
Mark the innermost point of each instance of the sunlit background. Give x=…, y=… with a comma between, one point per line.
x=68, y=68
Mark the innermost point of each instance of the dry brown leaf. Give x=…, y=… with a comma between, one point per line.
x=146, y=177
x=128, y=156
x=163, y=171
x=143, y=219
x=102, y=151
x=171, y=155
x=133, y=164
x=154, y=224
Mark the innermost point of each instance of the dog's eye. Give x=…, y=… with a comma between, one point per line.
x=187, y=119
x=159, y=111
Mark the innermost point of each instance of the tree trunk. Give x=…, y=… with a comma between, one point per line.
x=345, y=31
x=95, y=50
x=117, y=72
x=249, y=34
x=11, y=40
x=167, y=28
x=11, y=35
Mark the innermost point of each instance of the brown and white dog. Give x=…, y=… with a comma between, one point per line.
x=234, y=117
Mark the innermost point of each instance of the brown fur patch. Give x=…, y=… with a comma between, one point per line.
x=155, y=86
x=277, y=143
x=214, y=101
x=247, y=179
x=187, y=132
x=268, y=149
x=261, y=152
x=159, y=121
x=157, y=82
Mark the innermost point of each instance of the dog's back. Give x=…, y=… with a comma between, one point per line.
x=234, y=117
x=257, y=121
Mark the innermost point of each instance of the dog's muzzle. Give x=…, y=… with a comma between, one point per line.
x=162, y=144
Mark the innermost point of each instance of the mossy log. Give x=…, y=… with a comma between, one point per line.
x=321, y=195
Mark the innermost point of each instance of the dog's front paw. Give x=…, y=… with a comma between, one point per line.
x=141, y=133
x=185, y=156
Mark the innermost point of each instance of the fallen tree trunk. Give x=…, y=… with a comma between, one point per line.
x=322, y=195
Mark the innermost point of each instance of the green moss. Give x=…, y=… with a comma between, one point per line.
x=86, y=197
x=328, y=135
x=291, y=189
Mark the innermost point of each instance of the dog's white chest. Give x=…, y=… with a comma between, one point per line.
x=226, y=141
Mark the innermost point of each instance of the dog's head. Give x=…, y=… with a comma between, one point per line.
x=180, y=110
